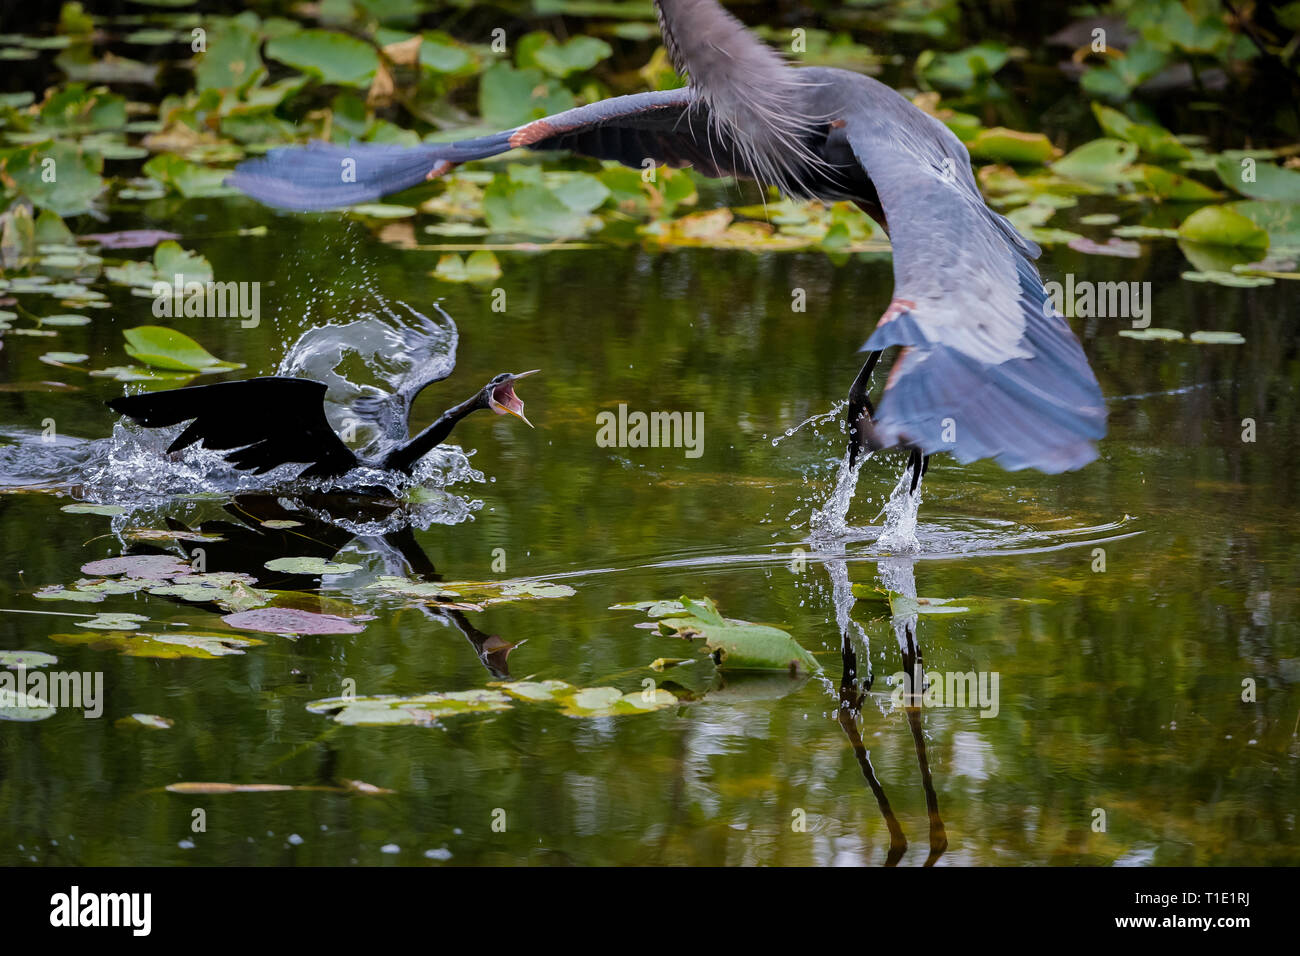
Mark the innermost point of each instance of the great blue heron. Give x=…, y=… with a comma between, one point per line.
x=987, y=368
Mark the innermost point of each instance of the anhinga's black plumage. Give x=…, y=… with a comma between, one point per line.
x=267, y=422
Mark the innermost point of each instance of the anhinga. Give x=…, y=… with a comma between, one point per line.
x=275, y=420
x=987, y=368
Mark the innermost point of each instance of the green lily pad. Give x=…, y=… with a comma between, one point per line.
x=1217, y=338
x=106, y=621
x=138, y=565
x=16, y=659
x=168, y=349
x=1152, y=334
x=471, y=595
x=1154, y=141
x=332, y=57
x=419, y=710
x=282, y=620
x=144, y=722
x=479, y=266
x=1104, y=161
x=191, y=180
x=108, y=510
x=57, y=592
x=1222, y=226
x=737, y=645
x=22, y=707
x=1267, y=182
x=63, y=358
x=310, y=565
x=166, y=646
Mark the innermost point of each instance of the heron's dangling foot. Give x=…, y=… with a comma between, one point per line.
x=919, y=464
x=862, y=434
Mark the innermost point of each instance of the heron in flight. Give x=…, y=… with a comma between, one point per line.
x=266, y=422
x=987, y=367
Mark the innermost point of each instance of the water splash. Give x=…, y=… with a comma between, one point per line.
x=901, y=512
x=829, y=523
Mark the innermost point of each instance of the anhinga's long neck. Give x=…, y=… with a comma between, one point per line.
x=403, y=459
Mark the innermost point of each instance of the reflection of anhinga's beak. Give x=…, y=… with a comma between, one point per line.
x=503, y=400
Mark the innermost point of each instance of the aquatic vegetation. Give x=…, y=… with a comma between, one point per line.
x=469, y=595
x=733, y=645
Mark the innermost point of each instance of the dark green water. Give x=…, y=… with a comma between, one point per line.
x=1120, y=691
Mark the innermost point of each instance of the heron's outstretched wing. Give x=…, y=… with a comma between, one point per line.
x=988, y=369
x=269, y=421
x=660, y=126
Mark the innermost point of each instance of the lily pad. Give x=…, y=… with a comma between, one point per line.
x=421, y=709
x=107, y=621
x=1152, y=334
x=737, y=645
x=1102, y=161
x=471, y=595
x=85, y=509
x=310, y=565
x=168, y=349
x=1259, y=180
x=1222, y=226
x=1217, y=338
x=138, y=565
x=281, y=620
x=20, y=706
x=144, y=722
x=167, y=646
x=16, y=659
x=332, y=57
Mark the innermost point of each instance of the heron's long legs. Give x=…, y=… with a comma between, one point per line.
x=861, y=412
x=919, y=464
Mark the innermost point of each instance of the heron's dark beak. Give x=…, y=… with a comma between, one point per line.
x=503, y=400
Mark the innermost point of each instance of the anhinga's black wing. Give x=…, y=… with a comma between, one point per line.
x=668, y=127
x=989, y=369
x=401, y=352
x=269, y=421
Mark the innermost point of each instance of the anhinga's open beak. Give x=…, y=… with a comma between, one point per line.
x=503, y=400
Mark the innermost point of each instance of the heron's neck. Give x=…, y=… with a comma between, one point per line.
x=403, y=459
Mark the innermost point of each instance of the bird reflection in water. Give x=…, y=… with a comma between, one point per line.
x=247, y=544
x=896, y=575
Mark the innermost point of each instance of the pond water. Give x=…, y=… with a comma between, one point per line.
x=1125, y=610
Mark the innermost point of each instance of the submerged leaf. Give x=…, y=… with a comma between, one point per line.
x=282, y=620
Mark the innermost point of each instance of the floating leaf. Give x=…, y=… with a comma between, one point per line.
x=16, y=659
x=107, y=621
x=333, y=57
x=421, y=709
x=197, y=787
x=1103, y=161
x=1259, y=180
x=167, y=646
x=737, y=645
x=1154, y=141
x=85, y=509
x=23, y=707
x=1001, y=145
x=1152, y=334
x=480, y=266
x=471, y=595
x=138, y=565
x=281, y=620
x=1222, y=226
x=168, y=349
x=1111, y=247
x=144, y=722
x=1217, y=338
x=310, y=565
